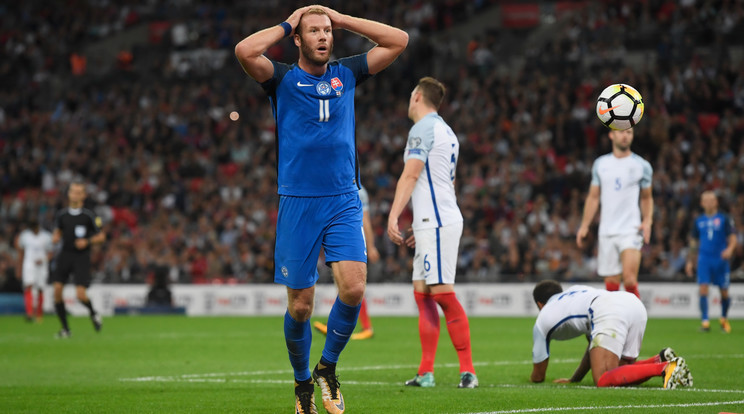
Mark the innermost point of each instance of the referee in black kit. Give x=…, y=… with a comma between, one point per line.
x=78, y=228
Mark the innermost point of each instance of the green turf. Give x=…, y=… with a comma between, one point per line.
x=152, y=364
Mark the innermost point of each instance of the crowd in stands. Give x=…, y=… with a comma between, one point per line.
x=180, y=184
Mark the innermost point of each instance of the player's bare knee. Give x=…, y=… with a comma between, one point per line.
x=300, y=310
x=352, y=294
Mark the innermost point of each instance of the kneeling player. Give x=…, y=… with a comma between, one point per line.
x=614, y=323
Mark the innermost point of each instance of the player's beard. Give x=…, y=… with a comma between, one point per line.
x=307, y=53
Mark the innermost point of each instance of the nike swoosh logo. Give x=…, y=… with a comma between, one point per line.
x=340, y=404
x=304, y=84
x=600, y=110
x=340, y=334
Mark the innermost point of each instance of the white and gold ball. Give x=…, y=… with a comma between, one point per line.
x=620, y=106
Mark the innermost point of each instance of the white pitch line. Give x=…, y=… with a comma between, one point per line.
x=380, y=368
x=398, y=383
x=610, y=407
x=346, y=369
x=223, y=377
x=212, y=378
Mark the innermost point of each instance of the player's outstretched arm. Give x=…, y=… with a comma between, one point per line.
x=251, y=49
x=390, y=41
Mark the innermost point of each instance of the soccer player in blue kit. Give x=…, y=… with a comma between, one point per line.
x=318, y=178
x=714, y=240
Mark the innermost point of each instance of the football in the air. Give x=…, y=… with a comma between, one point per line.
x=620, y=107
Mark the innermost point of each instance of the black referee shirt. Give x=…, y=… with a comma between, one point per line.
x=76, y=223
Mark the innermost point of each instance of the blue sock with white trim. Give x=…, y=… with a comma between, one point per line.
x=341, y=323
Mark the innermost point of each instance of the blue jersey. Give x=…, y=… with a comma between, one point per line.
x=713, y=232
x=316, y=146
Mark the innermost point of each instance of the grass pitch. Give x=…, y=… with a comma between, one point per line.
x=175, y=364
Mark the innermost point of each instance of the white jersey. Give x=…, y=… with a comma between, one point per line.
x=432, y=141
x=35, y=247
x=364, y=197
x=565, y=316
x=620, y=181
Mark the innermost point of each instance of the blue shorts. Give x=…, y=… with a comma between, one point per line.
x=305, y=224
x=713, y=270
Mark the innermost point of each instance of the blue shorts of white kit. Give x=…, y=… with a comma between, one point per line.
x=715, y=271
x=305, y=224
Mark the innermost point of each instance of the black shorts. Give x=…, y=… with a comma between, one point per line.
x=77, y=264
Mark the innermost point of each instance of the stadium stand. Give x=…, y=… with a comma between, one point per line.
x=135, y=99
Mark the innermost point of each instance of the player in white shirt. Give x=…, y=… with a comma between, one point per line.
x=428, y=179
x=613, y=323
x=619, y=179
x=34, y=247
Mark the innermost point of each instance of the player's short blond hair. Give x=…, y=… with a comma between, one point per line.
x=432, y=90
x=313, y=10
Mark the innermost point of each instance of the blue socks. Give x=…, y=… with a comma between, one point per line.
x=341, y=323
x=299, y=337
x=704, y=307
x=725, y=305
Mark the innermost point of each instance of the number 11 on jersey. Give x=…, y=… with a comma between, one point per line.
x=325, y=112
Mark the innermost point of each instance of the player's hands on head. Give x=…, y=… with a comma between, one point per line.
x=335, y=16
x=294, y=18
